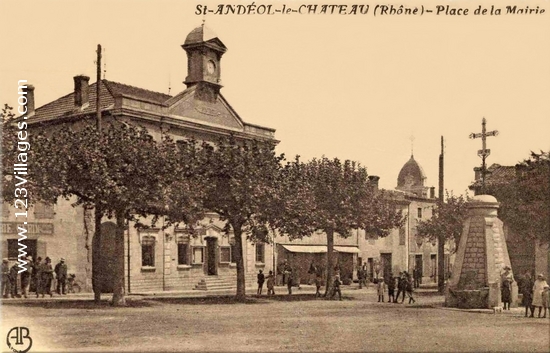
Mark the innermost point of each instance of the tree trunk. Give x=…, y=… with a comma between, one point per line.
x=241, y=292
x=96, y=254
x=118, y=286
x=330, y=264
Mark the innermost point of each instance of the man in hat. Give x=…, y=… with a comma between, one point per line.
x=46, y=276
x=61, y=275
x=26, y=277
x=5, y=278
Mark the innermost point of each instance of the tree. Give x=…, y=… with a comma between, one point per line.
x=122, y=170
x=334, y=197
x=525, y=199
x=242, y=178
x=447, y=220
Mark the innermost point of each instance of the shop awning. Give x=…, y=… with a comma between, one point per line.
x=310, y=249
x=320, y=249
x=347, y=249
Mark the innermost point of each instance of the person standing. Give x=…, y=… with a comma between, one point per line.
x=270, y=283
x=26, y=277
x=287, y=270
x=360, y=276
x=391, y=289
x=380, y=289
x=6, y=290
x=37, y=273
x=409, y=287
x=312, y=272
x=506, y=280
x=288, y=274
x=13, y=280
x=538, y=288
x=61, y=275
x=46, y=272
x=336, y=288
x=261, y=279
x=401, y=286
x=527, y=294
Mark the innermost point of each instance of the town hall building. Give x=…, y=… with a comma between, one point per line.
x=156, y=259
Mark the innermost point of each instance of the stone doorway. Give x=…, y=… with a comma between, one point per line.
x=211, y=256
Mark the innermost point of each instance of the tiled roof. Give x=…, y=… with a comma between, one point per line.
x=497, y=175
x=136, y=92
x=64, y=106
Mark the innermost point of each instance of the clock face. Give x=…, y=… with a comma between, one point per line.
x=210, y=67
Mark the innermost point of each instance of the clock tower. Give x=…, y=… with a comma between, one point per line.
x=204, y=51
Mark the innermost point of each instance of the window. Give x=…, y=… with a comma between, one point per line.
x=148, y=251
x=198, y=255
x=260, y=252
x=183, y=253
x=225, y=254
x=402, y=236
x=419, y=212
x=43, y=211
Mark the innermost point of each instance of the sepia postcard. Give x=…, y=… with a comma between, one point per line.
x=432, y=100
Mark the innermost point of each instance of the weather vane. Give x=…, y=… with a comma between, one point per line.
x=484, y=152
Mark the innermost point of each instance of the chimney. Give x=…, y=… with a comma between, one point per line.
x=373, y=179
x=81, y=90
x=29, y=92
x=432, y=192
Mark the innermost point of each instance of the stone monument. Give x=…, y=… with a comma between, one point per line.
x=480, y=260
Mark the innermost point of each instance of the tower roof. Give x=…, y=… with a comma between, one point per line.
x=411, y=174
x=202, y=34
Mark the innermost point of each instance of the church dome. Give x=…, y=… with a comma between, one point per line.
x=411, y=175
x=200, y=34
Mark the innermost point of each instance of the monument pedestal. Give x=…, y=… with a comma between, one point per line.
x=481, y=257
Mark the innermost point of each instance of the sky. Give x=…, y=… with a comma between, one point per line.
x=348, y=86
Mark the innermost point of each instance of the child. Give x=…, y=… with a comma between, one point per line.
x=381, y=288
x=261, y=279
x=545, y=299
x=270, y=283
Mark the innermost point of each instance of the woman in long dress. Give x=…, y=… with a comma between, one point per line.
x=540, y=283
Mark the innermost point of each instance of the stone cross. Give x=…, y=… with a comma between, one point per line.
x=484, y=152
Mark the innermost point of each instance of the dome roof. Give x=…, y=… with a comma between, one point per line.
x=200, y=34
x=411, y=175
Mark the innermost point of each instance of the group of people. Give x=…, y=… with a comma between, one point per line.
x=37, y=277
x=536, y=294
x=270, y=283
x=404, y=284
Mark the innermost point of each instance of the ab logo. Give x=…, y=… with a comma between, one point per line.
x=18, y=339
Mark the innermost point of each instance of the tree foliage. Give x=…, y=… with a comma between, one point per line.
x=242, y=183
x=525, y=199
x=334, y=197
x=447, y=220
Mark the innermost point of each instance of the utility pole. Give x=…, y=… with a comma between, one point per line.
x=441, y=237
x=97, y=86
x=97, y=281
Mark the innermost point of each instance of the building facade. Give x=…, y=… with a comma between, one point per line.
x=401, y=250
x=156, y=259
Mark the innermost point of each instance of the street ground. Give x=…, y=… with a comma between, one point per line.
x=196, y=322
